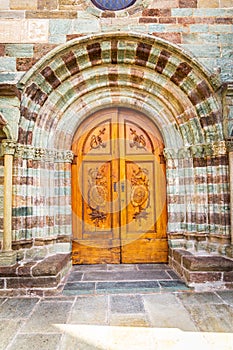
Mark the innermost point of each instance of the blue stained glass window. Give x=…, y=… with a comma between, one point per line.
x=113, y=5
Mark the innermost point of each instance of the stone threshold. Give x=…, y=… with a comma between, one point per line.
x=125, y=278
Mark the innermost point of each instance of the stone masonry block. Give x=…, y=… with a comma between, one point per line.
x=188, y=3
x=208, y=3
x=25, y=282
x=51, y=266
x=8, y=271
x=18, y=50
x=207, y=263
x=4, y=4
x=228, y=276
x=23, y=4
x=202, y=277
x=1, y=283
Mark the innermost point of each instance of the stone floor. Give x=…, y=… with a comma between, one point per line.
x=113, y=307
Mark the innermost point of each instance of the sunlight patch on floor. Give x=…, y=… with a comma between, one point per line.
x=138, y=338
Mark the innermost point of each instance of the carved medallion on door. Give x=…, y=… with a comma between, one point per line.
x=118, y=190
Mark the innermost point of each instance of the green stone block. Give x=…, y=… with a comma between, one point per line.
x=86, y=26
x=19, y=50
x=22, y=211
x=59, y=27
x=7, y=64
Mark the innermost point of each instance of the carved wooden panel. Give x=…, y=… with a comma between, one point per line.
x=119, y=190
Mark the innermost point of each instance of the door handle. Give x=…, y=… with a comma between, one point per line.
x=115, y=187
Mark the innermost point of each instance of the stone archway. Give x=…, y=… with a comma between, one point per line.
x=130, y=70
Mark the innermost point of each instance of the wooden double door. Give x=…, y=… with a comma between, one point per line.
x=118, y=190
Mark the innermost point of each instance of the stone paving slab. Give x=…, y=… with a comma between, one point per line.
x=8, y=328
x=36, y=342
x=16, y=308
x=152, y=321
x=166, y=311
x=126, y=304
x=90, y=310
x=45, y=315
x=126, y=276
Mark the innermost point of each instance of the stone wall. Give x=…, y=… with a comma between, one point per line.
x=198, y=192
x=29, y=29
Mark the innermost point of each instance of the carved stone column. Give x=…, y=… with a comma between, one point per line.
x=230, y=150
x=7, y=256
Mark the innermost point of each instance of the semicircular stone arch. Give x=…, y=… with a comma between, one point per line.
x=149, y=75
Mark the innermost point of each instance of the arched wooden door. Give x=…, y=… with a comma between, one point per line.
x=118, y=190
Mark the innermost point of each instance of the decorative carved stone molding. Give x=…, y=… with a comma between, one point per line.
x=8, y=147
x=181, y=153
x=48, y=155
x=199, y=151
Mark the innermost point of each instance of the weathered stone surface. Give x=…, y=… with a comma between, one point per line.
x=26, y=282
x=126, y=304
x=8, y=271
x=90, y=310
x=207, y=263
x=202, y=277
x=39, y=341
x=7, y=331
x=25, y=269
x=157, y=307
x=46, y=315
x=16, y=308
x=51, y=266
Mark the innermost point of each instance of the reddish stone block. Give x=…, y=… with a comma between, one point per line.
x=228, y=276
x=207, y=263
x=156, y=12
x=202, y=277
x=94, y=52
x=108, y=14
x=2, y=50
x=73, y=36
x=148, y=20
x=26, y=282
x=162, y=61
x=167, y=20
x=172, y=37
x=150, y=12
x=50, y=77
x=8, y=271
x=181, y=73
x=24, y=244
x=186, y=20
x=41, y=50
x=2, y=283
x=188, y=3
x=23, y=64
x=224, y=20
x=71, y=62
x=51, y=266
x=178, y=254
x=25, y=270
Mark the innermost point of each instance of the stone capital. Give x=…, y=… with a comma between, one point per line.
x=8, y=147
x=229, y=146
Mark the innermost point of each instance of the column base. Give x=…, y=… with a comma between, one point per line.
x=8, y=258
